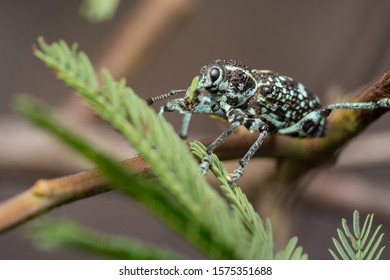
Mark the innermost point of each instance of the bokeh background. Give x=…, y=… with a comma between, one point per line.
x=333, y=47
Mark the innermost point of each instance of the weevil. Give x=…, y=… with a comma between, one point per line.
x=261, y=100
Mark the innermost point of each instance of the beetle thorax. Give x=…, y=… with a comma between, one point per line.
x=239, y=85
x=228, y=81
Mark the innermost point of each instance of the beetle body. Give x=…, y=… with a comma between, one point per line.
x=277, y=100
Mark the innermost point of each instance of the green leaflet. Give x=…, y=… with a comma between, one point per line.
x=192, y=89
x=97, y=11
x=50, y=234
x=262, y=247
x=359, y=245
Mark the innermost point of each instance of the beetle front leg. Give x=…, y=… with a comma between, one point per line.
x=154, y=99
x=180, y=106
x=184, y=125
x=173, y=105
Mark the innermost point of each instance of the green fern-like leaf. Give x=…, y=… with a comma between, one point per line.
x=98, y=10
x=155, y=198
x=251, y=221
x=183, y=198
x=359, y=245
x=50, y=234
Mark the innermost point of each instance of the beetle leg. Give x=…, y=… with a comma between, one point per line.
x=184, y=125
x=236, y=118
x=263, y=128
x=174, y=105
x=382, y=103
x=312, y=125
x=154, y=99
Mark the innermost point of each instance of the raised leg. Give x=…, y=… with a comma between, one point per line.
x=154, y=99
x=313, y=124
x=174, y=105
x=381, y=104
x=235, y=176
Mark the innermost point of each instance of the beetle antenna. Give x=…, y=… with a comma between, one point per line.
x=152, y=100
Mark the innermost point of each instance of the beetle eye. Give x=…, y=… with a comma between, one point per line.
x=214, y=74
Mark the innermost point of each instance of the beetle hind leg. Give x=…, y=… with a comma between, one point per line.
x=383, y=103
x=312, y=125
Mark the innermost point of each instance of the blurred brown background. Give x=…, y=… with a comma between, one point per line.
x=319, y=43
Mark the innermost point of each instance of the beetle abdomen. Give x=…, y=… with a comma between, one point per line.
x=279, y=100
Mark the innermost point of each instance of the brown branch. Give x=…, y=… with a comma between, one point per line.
x=343, y=126
x=47, y=194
